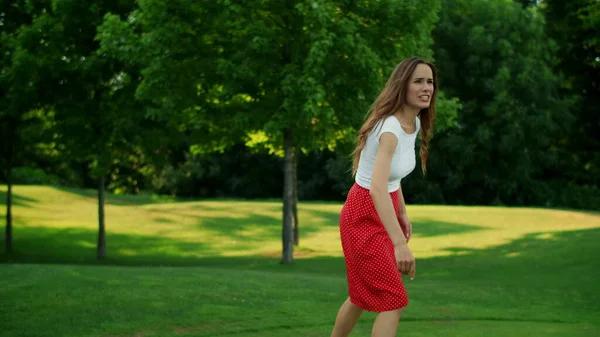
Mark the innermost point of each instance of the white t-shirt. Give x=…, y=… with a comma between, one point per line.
x=403, y=160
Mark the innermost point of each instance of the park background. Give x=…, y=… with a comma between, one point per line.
x=177, y=167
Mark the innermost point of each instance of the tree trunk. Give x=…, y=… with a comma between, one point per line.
x=288, y=199
x=290, y=213
x=8, y=243
x=295, y=198
x=101, y=232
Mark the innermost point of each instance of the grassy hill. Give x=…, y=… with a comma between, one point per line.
x=210, y=268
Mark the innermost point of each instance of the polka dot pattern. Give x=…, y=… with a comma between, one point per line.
x=374, y=282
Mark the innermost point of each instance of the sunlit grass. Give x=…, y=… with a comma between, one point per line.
x=482, y=271
x=243, y=228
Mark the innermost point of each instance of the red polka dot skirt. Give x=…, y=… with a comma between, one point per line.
x=374, y=282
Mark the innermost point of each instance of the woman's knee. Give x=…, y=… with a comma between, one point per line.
x=396, y=313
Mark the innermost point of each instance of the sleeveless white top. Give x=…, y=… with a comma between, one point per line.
x=403, y=160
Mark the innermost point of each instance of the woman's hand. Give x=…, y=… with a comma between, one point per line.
x=405, y=224
x=405, y=260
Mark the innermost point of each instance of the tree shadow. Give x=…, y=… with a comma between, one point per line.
x=121, y=200
x=17, y=200
x=560, y=269
x=432, y=228
x=539, y=277
x=421, y=227
x=78, y=246
x=551, y=253
x=323, y=218
x=251, y=227
x=248, y=226
x=533, y=272
x=164, y=220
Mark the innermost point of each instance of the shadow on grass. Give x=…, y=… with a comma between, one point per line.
x=422, y=228
x=545, y=258
x=247, y=226
x=78, y=246
x=549, y=269
x=555, y=254
x=543, y=262
x=17, y=199
x=121, y=200
x=535, y=272
x=431, y=228
x=540, y=277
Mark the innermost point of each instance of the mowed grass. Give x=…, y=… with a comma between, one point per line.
x=210, y=268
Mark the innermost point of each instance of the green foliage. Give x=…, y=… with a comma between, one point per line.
x=218, y=175
x=163, y=95
x=565, y=195
x=574, y=25
x=447, y=112
x=497, y=60
x=331, y=58
x=312, y=67
x=528, y=3
x=33, y=176
x=97, y=121
x=173, y=44
x=13, y=101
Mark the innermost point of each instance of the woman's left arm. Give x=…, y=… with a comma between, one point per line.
x=403, y=216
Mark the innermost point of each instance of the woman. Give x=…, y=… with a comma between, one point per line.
x=374, y=226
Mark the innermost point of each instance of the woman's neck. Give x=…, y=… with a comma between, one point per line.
x=407, y=115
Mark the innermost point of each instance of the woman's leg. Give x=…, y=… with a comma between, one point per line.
x=386, y=323
x=346, y=319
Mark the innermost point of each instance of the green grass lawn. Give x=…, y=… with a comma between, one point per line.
x=210, y=268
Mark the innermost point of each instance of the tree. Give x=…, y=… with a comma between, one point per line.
x=91, y=94
x=496, y=58
x=317, y=67
x=16, y=98
x=575, y=26
x=288, y=76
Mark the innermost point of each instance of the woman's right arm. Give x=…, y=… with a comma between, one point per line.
x=383, y=203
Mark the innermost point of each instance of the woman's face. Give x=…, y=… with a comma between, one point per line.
x=420, y=87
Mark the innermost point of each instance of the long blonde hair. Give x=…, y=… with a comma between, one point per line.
x=392, y=99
